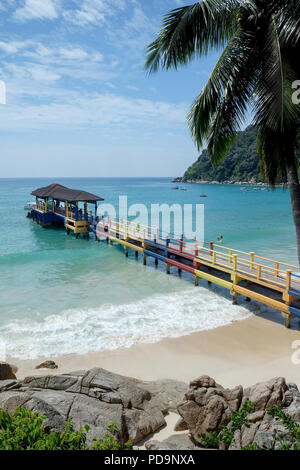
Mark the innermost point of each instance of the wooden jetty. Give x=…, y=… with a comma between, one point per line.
x=264, y=280
x=59, y=205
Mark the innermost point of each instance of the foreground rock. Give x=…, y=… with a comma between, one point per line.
x=208, y=406
x=7, y=371
x=174, y=442
x=47, y=365
x=96, y=398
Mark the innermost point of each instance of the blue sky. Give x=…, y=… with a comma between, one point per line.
x=79, y=102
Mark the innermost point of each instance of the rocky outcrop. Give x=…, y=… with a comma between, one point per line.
x=47, y=365
x=7, y=371
x=168, y=392
x=96, y=398
x=174, y=442
x=208, y=406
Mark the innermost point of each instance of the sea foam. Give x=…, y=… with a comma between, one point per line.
x=115, y=326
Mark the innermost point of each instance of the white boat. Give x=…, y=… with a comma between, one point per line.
x=30, y=205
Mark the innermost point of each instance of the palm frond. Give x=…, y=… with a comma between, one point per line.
x=218, y=112
x=273, y=94
x=192, y=30
x=287, y=19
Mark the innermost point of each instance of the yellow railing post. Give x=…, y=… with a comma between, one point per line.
x=288, y=279
x=258, y=271
x=214, y=257
x=230, y=256
x=67, y=209
x=234, y=262
x=276, y=269
x=252, y=259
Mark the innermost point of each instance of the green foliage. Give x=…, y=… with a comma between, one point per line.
x=23, y=430
x=226, y=435
x=239, y=419
x=110, y=443
x=292, y=442
x=240, y=164
x=256, y=69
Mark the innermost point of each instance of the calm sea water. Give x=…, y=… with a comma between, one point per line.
x=61, y=295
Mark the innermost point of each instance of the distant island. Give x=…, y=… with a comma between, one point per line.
x=241, y=165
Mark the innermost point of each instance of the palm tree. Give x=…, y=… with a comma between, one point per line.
x=257, y=67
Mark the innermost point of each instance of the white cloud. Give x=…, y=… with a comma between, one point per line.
x=13, y=47
x=58, y=54
x=73, y=53
x=132, y=88
x=40, y=73
x=110, y=85
x=31, y=72
x=93, y=11
x=37, y=9
x=103, y=111
x=59, y=83
x=133, y=35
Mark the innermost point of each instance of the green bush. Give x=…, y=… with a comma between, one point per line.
x=226, y=435
x=239, y=419
x=23, y=431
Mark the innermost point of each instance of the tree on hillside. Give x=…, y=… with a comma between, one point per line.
x=259, y=66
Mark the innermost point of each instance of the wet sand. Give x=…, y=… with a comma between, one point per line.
x=244, y=352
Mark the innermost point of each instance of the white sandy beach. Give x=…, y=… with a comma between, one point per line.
x=244, y=352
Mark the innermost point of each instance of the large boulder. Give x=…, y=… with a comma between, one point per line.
x=7, y=371
x=262, y=427
x=208, y=406
x=167, y=392
x=173, y=442
x=47, y=365
x=96, y=398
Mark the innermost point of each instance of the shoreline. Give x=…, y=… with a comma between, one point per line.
x=244, y=352
x=228, y=183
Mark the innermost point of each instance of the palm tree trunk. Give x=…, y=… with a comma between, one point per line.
x=294, y=186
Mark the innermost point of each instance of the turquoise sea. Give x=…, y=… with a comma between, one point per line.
x=59, y=295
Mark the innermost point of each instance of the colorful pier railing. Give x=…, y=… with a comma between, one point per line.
x=264, y=280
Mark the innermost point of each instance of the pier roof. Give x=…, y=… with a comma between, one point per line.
x=62, y=193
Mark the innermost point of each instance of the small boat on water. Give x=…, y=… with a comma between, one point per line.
x=29, y=206
x=176, y=187
x=244, y=189
x=183, y=189
x=203, y=195
x=262, y=189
